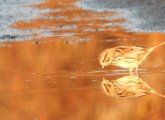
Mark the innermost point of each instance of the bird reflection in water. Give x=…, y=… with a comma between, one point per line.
x=127, y=86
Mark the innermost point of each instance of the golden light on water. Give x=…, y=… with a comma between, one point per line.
x=58, y=78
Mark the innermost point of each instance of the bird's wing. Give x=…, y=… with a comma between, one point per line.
x=124, y=92
x=135, y=54
x=139, y=89
x=131, y=87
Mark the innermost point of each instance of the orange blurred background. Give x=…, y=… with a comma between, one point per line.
x=58, y=77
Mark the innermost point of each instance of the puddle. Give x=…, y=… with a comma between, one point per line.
x=55, y=74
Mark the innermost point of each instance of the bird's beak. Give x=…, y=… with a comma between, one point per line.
x=102, y=66
x=104, y=79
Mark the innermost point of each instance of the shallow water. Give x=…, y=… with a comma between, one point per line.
x=57, y=77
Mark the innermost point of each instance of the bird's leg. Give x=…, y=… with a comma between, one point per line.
x=137, y=71
x=130, y=71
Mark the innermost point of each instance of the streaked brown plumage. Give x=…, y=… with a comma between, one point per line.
x=125, y=56
x=128, y=86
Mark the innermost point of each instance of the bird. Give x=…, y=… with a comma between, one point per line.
x=127, y=87
x=125, y=56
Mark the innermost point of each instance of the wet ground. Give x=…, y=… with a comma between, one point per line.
x=52, y=72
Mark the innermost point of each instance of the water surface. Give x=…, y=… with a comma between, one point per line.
x=58, y=76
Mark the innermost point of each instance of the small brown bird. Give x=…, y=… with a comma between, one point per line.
x=125, y=56
x=128, y=86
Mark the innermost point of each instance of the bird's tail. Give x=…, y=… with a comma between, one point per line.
x=156, y=93
x=154, y=47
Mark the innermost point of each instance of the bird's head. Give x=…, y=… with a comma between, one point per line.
x=105, y=58
x=107, y=88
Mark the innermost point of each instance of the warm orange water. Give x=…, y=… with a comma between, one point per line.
x=58, y=78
